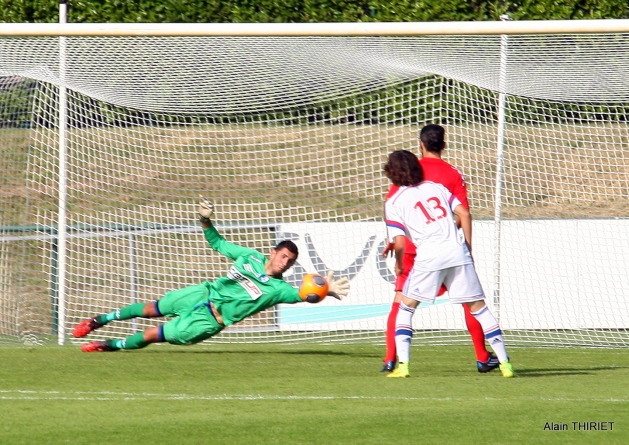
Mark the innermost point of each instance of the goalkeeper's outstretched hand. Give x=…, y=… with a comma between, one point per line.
x=206, y=209
x=337, y=288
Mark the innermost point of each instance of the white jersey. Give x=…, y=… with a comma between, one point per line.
x=424, y=213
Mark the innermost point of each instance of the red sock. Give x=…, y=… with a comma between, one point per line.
x=478, y=336
x=391, y=353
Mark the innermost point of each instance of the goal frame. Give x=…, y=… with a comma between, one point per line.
x=315, y=29
x=503, y=28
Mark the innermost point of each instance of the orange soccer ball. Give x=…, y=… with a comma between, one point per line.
x=314, y=288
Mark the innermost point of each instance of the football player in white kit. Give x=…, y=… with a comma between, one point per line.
x=425, y=212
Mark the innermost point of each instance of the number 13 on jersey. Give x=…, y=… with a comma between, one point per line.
x=432, y=209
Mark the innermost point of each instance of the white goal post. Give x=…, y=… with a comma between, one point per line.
x=109, y=132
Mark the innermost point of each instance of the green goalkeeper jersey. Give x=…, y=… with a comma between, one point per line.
x=247, y=289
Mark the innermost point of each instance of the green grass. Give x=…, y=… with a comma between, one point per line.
x=307, y=394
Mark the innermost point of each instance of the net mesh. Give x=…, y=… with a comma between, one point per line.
x=288, y=137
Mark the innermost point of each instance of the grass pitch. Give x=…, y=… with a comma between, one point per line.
x=308, y=394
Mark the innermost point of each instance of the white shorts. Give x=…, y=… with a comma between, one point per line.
x=462, y=283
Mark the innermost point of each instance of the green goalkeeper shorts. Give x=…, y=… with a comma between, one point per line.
x=193, y=320
x=183, y=300
x=192, y=326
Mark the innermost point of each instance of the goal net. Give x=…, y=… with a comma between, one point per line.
x=106, y=143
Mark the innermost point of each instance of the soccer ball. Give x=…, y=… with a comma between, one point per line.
x=314, y=288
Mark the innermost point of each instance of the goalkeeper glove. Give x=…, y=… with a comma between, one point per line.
x=337, y=288
x=206, y=209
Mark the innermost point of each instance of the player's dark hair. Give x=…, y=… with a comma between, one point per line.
x=432, y=135
x=403, y=168
x=288, y=245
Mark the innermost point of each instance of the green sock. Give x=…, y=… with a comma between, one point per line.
x=136, y=341
x=127, y=312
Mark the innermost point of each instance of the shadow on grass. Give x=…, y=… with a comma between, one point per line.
x=303, y=352
x=545, y=372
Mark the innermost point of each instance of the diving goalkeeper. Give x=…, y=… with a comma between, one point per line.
x=252, y=284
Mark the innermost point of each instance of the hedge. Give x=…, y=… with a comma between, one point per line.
x=300, y=11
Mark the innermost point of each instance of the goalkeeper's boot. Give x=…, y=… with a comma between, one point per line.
x=507, y=370
x=400, y=372
x=388, y=366
x=491, y=364
x=97, y=346
x=85, y=327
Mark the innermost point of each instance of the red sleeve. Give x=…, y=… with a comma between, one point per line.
x=459, y=189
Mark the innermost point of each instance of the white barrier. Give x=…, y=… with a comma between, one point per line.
x=554, y=275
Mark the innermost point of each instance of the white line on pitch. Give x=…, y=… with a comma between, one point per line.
x=108, y=395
